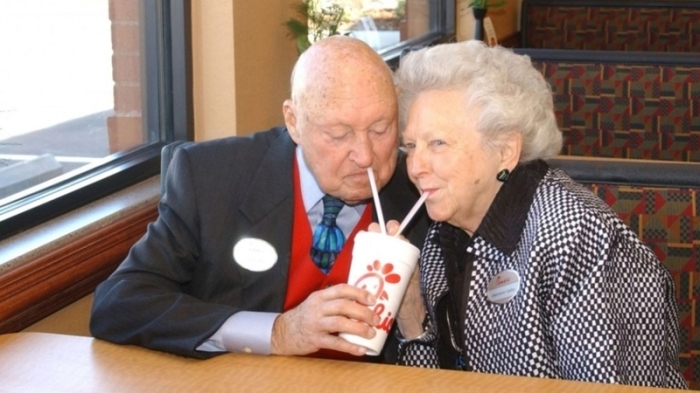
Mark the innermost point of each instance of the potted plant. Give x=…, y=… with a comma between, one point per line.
x=479, y=9
x=314, y=23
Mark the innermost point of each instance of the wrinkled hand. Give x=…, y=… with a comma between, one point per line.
x=314, y=323
x=411, y=311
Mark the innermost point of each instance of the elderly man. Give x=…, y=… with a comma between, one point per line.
x=234, y=261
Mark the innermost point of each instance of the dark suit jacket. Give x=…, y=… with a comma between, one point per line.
x=180, y=282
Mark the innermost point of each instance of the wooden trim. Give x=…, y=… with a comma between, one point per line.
x=43, y=286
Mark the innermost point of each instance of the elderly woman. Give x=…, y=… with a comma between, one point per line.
x=524, y=271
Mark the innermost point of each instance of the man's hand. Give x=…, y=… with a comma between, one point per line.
x=411, y=311
x=314, y=324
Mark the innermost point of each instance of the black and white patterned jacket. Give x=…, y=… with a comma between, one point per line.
x=594, y=304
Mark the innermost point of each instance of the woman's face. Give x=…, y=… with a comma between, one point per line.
x=449, y=158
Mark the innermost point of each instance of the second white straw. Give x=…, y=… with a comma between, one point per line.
x=411, y=213
x=375, y=195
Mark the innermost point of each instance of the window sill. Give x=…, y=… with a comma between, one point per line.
x=61, y=261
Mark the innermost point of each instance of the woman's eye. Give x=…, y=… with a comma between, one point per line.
x=437, y=142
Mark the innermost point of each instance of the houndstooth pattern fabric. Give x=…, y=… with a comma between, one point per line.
x=594, y=304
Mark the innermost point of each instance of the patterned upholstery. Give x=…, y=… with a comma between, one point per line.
x=611, y=25
x=667, y=220
x=639, y=111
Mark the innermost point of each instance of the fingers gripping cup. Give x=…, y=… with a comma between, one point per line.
x=382, y=265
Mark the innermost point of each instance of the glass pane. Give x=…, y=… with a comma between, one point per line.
x=383, y=23
x=70, y=91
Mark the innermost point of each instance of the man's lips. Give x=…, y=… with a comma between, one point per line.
x=361, y=176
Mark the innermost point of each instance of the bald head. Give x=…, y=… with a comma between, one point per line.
x=343, y=116
x=333, y=67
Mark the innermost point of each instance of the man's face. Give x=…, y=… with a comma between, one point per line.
x=343, y=134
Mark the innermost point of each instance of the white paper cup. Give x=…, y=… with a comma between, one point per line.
x=382, y=265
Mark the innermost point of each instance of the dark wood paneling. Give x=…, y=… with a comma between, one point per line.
x=43, y=286
x=511, y=41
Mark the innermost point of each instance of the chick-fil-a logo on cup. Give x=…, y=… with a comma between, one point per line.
x=373, y=281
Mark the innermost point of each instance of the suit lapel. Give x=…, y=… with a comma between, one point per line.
x=272, y=184
x=269, y=206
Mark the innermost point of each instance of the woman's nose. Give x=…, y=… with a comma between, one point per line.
x=416, y=163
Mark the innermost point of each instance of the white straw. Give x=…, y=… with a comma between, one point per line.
x=375, y=194
x=411, y=213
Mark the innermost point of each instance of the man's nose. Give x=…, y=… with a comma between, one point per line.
x=362, y=151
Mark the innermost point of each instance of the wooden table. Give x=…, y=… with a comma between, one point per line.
x=41, y=362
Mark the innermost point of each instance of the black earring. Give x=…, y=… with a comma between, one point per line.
x=503, y=175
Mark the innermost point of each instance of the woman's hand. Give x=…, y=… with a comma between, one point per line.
x=412, y=311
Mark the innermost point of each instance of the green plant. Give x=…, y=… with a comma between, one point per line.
x=400, y=10
x=483, y=4
x=314, y=23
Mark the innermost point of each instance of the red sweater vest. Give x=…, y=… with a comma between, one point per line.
x=304, y=276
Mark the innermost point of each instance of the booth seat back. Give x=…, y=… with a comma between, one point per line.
x=653, y=26
x=666, y=220
x=660, y=202
x=624, y=104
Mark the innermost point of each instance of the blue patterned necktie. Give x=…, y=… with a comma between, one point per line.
x=328, y=238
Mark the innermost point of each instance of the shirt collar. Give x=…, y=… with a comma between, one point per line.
x=311, y=193
x=505, y=220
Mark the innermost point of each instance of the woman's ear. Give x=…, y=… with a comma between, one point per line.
x=511, y=147
x=290, y=120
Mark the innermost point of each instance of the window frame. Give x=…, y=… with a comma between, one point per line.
x=442, y=27
x=166, y=64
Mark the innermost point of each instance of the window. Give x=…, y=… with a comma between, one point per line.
x=91, y=90
x=389, y=26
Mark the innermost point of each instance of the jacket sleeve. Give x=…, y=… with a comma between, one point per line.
x=617, y=322
x=145, y=301
x=423, y=352
x=419, y=353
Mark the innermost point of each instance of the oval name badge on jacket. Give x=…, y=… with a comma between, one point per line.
x=255, y=255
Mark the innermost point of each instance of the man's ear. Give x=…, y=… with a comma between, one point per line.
x=511, y=146
x=290, y=120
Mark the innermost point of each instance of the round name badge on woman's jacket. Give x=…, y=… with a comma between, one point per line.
x=256, y=255
x=503, y=287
